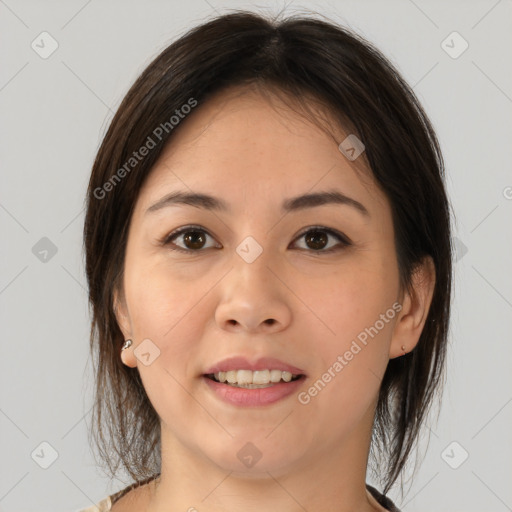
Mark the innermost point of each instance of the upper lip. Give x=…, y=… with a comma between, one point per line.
x=263, y=363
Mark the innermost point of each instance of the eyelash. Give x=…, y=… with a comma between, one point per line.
x=345, y=242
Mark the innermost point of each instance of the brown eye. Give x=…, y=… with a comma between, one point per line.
x=193, y=239
x=317, y=239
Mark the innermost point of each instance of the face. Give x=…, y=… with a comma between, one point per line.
x=304, y=285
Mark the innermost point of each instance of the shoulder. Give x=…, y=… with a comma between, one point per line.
x=122, y=501
x=102, y=506
x=131, y=498
x=134, y=497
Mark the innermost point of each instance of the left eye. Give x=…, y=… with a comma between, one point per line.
x=318, y=236
x=194, y=238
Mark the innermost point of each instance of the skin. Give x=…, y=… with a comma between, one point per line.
x=201, y=307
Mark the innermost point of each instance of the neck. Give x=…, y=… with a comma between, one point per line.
x=327, y=480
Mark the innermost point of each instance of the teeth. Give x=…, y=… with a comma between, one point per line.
x=275, y=375
x=287, y=376
x=242, y=377
x=258, y=377
x=264, y=377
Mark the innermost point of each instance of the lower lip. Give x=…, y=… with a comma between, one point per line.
x=253, y=397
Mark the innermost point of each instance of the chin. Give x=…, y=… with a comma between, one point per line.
x=256, y=459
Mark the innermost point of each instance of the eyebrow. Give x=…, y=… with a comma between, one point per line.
x=289, y=205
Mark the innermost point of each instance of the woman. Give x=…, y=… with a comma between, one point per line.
x=269, y=263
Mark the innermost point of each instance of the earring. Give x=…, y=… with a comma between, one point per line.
x=403, y=348
x=127, y=344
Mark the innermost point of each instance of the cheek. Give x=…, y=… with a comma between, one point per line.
x=171, y=312
x=354, y=336
x=352, y=300
x=167, y=312
x=160, y=300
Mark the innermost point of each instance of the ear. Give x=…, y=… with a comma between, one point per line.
x=415, y=308
x=121, y=313
x=124, y=322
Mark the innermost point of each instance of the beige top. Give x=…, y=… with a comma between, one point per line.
x=105, y=505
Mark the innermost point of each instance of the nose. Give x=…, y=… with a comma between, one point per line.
x=253, y=298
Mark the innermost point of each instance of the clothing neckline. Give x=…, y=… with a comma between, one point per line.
x=380, y=498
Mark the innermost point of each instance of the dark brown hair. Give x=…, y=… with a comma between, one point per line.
x=302, y=57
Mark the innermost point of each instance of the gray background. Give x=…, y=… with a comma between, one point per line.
x=54, y=113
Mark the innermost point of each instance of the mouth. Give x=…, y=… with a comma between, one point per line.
x=247, y=382
x=257, y=379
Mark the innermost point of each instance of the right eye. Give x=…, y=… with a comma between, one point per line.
x=193, y=239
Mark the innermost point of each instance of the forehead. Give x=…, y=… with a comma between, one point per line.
x=242, y=146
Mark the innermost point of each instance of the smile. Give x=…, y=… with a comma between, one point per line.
x=251, y=395
x=253, y=379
